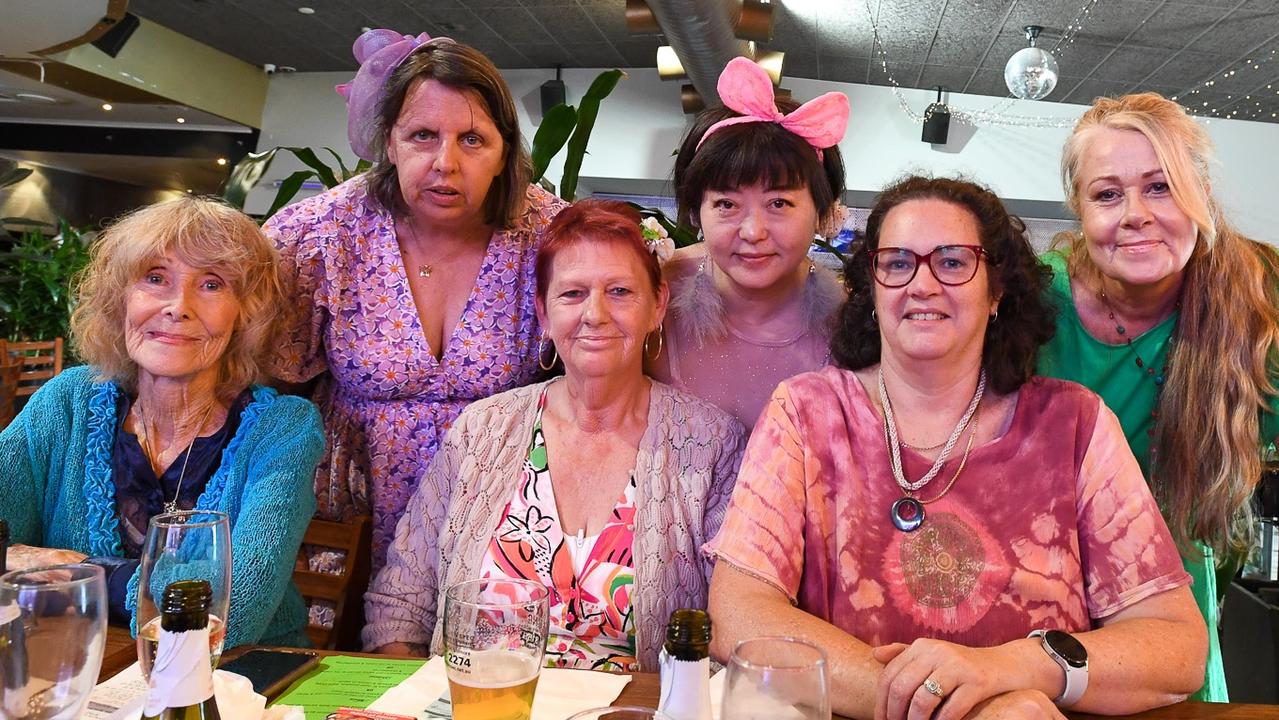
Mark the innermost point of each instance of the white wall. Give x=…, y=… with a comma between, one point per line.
x=641, y=123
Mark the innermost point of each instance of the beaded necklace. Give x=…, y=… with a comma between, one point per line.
x=1159, y=377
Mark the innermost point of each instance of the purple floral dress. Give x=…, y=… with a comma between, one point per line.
x=386, y=400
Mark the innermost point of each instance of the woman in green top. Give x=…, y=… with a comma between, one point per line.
x=1170, y=314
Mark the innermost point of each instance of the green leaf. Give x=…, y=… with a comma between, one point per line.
x=346, y=174
x=586, y=114
x=245, y=175
x=309, y=159
x=363, y=166
x=288, y=188
x=557, y=125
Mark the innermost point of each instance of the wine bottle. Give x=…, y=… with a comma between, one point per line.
x=181, y=682
x=685, y=665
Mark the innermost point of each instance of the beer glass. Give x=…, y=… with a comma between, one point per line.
x=184, y=545
x=494, y=639
x=53, y=629
x=776, y=678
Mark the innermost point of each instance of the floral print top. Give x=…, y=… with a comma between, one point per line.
x=386, y=400
x=592, y=624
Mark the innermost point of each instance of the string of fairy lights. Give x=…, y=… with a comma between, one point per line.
x=1201, y=100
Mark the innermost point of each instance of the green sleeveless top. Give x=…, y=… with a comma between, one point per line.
x=1131, y=392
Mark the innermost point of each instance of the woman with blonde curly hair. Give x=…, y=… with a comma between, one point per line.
x=1169, y=313
x=174, y=315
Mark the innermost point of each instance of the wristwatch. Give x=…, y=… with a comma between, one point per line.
x=1071, y=656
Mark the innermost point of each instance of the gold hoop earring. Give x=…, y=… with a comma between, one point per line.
x=657, y=354
x=541, y=353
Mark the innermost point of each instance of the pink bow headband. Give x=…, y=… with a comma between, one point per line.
x=746, y=88
x=379, y=53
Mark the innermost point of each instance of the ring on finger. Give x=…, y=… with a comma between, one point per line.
x=933, y=688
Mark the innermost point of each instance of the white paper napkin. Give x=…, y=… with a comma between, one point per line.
x=560, y=693
x=122, y=696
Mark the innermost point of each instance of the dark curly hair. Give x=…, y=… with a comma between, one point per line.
x=1026, y=318
x=750, y=153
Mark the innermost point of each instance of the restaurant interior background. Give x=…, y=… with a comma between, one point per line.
x=111, y=104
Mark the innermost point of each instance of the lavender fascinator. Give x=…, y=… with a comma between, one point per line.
x=379, y=53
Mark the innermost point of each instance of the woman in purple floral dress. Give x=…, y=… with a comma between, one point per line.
x=413, y=283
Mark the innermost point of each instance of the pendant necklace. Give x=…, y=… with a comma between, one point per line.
x=907, y=513
x=172, y=505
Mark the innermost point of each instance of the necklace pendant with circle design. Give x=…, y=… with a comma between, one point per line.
x=907, y=514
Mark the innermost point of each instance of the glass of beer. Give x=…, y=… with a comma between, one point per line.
x=494, y=639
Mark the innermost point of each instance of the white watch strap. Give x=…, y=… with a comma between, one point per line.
x=1076, y=678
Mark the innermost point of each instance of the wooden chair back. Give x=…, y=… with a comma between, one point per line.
x=344, y=591
x=10, y=372
x=41, y=360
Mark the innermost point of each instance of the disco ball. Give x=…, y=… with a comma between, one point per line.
x=1031, y=73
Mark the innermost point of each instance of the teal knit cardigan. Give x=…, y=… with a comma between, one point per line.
x=56, y=492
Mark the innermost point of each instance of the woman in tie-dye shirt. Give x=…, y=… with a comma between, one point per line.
x=923, y=583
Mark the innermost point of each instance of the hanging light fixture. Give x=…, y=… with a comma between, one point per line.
x=1031, y=73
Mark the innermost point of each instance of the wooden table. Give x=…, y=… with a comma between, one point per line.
x=644, y=689
x=121, y=652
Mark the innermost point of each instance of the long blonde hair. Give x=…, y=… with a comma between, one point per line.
x=1205, y=455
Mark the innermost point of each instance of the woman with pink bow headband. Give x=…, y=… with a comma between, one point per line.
x=758, y=178
x=413, y=283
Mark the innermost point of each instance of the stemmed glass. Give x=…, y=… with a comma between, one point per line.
x=620, y=713
x=184, y=545
x=494, y=640
x=53, y=629
x=776, y=678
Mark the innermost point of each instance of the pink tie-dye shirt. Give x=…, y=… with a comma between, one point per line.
x=1051, y=525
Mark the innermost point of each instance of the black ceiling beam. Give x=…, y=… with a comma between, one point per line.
x=145, y=142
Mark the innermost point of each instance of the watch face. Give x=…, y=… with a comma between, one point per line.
x=1070, y=649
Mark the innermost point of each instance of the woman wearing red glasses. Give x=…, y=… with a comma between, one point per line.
x=959, y=536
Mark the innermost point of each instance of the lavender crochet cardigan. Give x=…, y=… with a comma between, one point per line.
x=686, y=466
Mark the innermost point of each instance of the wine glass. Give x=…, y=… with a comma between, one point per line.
x=624, y=712
x=53, y=630
x=494, y=639
x=183, y=545
x=776, y=678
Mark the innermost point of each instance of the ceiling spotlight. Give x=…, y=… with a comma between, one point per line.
x=669, y=66
x=106, y=106
x=1031, y=73
x=181, y=120
x=222, y=161
x=306, y=10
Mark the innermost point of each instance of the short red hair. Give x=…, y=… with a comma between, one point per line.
x=597, y=221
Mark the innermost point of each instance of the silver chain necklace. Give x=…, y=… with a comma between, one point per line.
x=894, y=445
x=172, y=505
